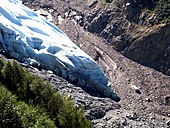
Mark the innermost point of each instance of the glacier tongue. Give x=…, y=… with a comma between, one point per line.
x=29, y=38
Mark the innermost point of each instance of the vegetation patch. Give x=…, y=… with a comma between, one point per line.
x=160, y=7
x=33, y=102
x=109, y=1
x=17, y=114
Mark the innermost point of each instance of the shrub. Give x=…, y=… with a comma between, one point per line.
x=12, y=76
x=109, y=1
x=15, y=114
x=33, y=90
x=70, y=117
x=8, y=116
x=162, y=9
x=33, y=117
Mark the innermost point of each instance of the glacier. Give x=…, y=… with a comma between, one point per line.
x=29, y=38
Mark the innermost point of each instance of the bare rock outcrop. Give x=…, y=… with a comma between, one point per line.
x=125, y=25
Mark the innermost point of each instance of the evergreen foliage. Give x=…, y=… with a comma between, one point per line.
x=162, y=9
x=146, y=3
x=33, y=91
x=14, y=114
x=109, y=1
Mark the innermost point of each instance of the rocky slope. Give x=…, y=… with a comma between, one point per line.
x=144, y=91
x=126, y=25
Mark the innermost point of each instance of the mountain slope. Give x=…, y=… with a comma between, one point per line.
x=144, y=92
x=138, y=29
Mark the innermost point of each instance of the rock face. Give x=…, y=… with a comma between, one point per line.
x=27, y=37
x=124, y=24
x=133, y=32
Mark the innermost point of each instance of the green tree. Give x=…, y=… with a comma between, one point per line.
x=70, y=117
x=14, y=114
x=32, y=90
x=8, y=116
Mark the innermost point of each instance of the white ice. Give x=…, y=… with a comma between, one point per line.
x=29, y=38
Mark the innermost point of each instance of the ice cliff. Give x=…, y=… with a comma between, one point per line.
x=27, y=37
